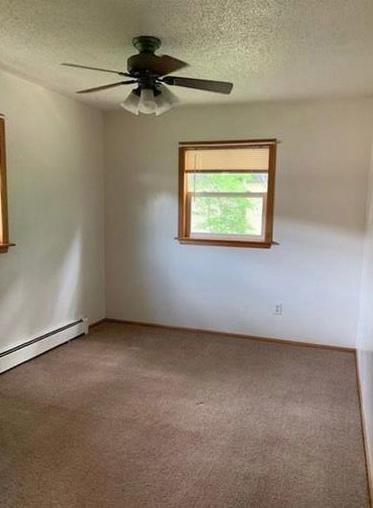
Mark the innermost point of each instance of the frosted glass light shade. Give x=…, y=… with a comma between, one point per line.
x=131, y=104
x=163, y=104
x=147, y=104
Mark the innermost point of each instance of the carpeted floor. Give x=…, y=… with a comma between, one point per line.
x=143, y=417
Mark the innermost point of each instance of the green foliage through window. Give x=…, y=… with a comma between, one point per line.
x=219, y=211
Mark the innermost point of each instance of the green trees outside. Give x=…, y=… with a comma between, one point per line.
x=240, y=214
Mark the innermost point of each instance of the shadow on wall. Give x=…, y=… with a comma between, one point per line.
x=148, y=227
x=42, y=301
x=319, y=223
x=43, y=280
x=326, y=200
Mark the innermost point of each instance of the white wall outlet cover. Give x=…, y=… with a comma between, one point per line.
x=278, y=309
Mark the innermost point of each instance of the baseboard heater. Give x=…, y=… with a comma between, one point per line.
x=11, y=356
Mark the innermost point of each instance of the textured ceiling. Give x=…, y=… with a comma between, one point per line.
x=270, y=49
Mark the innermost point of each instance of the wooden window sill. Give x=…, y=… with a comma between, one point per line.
x=225, y=243
x=5, y=246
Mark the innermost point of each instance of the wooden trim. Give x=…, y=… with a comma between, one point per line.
x=212, y=171
x=188, y=213
x=5, y=246
x=184, y=204
x=224, y=243
x=182, y=194
x=4, y=243
x=368, y=466
x=271, y=340
x=270, y=194
x=214, y=194
x=96, y=323
x=227, y=142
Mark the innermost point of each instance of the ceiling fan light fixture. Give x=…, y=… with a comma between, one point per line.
x=163, y=102
x=131, y=104
x=147, y=103
x=151, y=72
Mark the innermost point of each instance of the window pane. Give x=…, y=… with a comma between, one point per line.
x=227, y=182
x=230, y=159
x=227, y=215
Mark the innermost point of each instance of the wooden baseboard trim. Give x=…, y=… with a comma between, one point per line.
x=272, y=340
x=96, y=323
x=368, y=466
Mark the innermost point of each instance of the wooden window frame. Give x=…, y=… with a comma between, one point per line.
x=4, y=241
x=184, y=236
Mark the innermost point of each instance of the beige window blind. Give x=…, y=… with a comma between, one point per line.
x=227, y=159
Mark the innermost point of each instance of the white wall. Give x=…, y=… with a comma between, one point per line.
x=319, y=221
x=55, y=274
x=365, y=336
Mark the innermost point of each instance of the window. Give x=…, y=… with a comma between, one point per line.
x=4, y=235
x=226, y=192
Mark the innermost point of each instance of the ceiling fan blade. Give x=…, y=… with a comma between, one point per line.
x=105, y=87
x=166, y=64
x=95, y=69
x=200, y=84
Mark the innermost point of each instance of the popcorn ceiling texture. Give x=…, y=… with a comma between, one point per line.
x=284, y=49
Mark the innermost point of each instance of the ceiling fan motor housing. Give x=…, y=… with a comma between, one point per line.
x=146, y=43
x=140, y=64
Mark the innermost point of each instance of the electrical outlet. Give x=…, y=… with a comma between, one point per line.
x=278, y=309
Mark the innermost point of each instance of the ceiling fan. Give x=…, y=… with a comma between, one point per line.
x=151, y=73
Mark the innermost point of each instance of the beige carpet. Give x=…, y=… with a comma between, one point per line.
x=143, y=417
